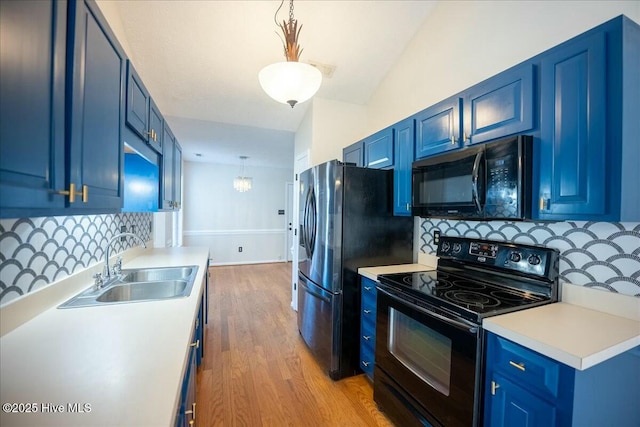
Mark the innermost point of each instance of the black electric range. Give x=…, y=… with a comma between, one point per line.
x=429, y=339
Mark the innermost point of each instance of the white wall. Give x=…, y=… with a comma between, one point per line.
x=217, y=216
x=464, y=42
x=329, y=126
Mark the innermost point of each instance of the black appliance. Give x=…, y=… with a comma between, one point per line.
x=346, y=222
x=491, y=180
x=428, y=328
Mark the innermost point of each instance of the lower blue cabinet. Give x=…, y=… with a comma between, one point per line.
x=186, y=415
x=369, y=296
x=525, y=388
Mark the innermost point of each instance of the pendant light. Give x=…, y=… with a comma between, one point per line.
x=242, y=183
x=290, y=82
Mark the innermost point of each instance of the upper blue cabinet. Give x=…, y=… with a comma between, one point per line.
x=62, y=110
x=142, y=114
x=96, y=67
x=404, y=143
x=378, y=149
x=438, y=128
x=32, y=82
x=590, y=104
x=354, y=154
x=500, y=106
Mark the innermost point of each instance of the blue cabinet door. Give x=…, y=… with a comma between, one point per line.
x=96, y=74
x=368, y=296
x=404, y=133
x=354, y=154
x=438, y=128
x=573, y=146
x=168, y=155
x=512, y=405
x=177, y=176
x=502, y=105
x=137, y=105
x=32, y=106
x=156, y=122
x=378, y=149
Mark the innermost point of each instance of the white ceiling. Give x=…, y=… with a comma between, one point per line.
x=200, y=61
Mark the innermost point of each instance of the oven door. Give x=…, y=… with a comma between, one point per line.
x=432, y=360
x=450, y=185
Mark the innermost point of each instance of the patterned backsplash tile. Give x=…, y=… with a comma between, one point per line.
x=601, y=255
x=35, y=252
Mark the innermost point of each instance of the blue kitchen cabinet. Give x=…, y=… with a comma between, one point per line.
x=186, y=414
x=525, y=388
x=438, y=128
x=590, y=104
x=354, y=154
x=499, y=106
x=32, y=83
x=142, y=113
x=171, y=171
x=137, y=113
x=378, y=149
x=368, y=295
x=96, y=73
x=156, y=126
x=404, y=133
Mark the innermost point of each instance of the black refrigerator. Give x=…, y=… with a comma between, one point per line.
x=346, y=222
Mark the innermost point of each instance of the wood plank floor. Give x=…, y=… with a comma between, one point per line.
x=257, y=370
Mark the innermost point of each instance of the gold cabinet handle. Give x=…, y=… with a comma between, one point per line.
x=494, y=387
x=465, y=138
x=72, y=193
x=366, y=337
x=453, y=140
x=517, y=365
x=365, y=364
x=367, y=288
x=367, y=311
x=192, y=412
x=195, y=344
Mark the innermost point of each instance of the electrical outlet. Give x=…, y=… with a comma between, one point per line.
x=132, y=228
x=123, y=229
x=239, y=248
x=436, y=237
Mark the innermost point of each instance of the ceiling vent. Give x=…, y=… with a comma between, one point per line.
x=326, y=70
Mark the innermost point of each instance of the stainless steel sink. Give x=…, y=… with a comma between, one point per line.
x=138, y=291
x=155, y=274
x=136, y=285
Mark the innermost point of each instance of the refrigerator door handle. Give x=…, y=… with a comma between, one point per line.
x=315, y=290
x=313, y=220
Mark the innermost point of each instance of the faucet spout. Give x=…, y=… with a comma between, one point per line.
x=107, y=252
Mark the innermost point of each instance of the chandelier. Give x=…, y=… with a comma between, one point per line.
x=290, y=81
x=242, y=183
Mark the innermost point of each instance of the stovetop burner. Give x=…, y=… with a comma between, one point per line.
x=470, y=298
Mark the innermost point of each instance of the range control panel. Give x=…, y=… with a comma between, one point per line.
x=527, y=259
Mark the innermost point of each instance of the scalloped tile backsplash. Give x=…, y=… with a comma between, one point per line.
x=35, y=252
x=603, y=255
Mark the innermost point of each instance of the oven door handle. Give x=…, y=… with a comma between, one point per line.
x=472, y=329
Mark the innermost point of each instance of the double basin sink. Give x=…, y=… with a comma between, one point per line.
x=134, y=285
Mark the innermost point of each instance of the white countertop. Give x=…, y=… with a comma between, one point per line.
x=126, y=361
x=373, y=272
x=576, y=336
x=425, y=262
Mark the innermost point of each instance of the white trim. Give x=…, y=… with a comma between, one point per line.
x=232, y=232
x=221, y=264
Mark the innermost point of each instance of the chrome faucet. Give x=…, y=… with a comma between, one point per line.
x=107, y=270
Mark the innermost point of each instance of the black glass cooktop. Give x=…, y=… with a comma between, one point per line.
x=472, y=299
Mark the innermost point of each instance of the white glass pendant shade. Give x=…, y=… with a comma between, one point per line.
x=290, y=82
x=242, y=184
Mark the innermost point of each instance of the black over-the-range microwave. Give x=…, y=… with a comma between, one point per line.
x=488, y=181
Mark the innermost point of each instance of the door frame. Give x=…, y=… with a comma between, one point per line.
x=302, y=163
